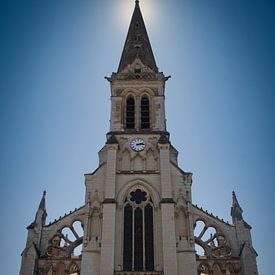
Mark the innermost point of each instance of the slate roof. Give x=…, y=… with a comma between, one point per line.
x=137, y=43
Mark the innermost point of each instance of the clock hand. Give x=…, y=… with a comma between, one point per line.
x=139, y=144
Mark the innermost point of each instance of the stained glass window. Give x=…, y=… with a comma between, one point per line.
x=149, y=242
x=138, y=247
x=127, y=248
x=138, y=196
x=138, y=260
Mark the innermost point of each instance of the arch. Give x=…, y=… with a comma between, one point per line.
x=146, y=91
x=66, y=241
x=199, y=226
x=145, y=112
x=122, y=193
x=138, y=233
x=129, y=92
x=199, y=250
x=130, y=112
x=211, y=240
x=137, y=92
x=66, y=222
x=77, y=225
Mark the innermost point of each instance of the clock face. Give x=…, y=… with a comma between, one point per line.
x=137, y=144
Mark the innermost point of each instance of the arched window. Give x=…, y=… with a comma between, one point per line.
x=138, y=247
x=145, y=113
x=130, y=113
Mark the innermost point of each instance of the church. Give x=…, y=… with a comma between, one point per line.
x=138, y=217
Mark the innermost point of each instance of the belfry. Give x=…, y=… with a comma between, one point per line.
x=138, y=217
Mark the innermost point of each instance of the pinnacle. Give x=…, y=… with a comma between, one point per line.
x=42, y=204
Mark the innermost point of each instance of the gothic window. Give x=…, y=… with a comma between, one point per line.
x=138, y=247
x=130, y=113
x=145, y=113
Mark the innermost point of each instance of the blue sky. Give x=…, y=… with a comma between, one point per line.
x=55, y=104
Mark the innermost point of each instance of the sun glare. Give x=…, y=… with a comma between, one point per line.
x=126, y=7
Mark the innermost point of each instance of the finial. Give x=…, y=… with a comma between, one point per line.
x=137, y=2
x=44, y=193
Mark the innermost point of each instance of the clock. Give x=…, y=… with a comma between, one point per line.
x=137, y=144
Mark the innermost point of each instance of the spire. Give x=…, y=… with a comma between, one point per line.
x=41, y=213
x=42, y=204
x=236, y=210
x=137, y=43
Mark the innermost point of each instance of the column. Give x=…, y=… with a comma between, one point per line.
x=109, y=213
x=167, y=212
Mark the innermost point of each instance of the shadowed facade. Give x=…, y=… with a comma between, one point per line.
x=138, y=216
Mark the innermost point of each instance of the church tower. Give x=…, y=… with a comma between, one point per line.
x=138, y=216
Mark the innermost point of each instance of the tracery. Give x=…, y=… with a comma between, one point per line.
x=138, y=247
x=63, y=252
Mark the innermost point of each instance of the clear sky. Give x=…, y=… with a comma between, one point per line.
x=55, y=104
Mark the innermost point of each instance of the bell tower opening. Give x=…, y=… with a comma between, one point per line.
x=145, y=113
x=130, y=113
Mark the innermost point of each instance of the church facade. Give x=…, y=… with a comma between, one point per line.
x=138, y=216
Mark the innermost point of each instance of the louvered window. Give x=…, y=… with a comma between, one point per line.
x=145, y=113
x=130, y=113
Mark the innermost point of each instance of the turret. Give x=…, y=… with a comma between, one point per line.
x=35, y=230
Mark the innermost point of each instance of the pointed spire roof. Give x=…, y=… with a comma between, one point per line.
x=41, y=213
x=137, y=43
x=236, y=210
x=42, y=204
x=235, y=202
